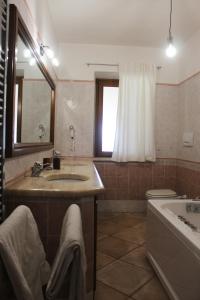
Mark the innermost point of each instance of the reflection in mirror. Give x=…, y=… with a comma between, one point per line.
x=30, y=93
x=32, y=99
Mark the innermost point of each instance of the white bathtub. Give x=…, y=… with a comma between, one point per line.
x=173, y=248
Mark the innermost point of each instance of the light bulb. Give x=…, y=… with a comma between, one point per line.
x=49, y=53
x=171, y=50
x=27, y=53
x=16, y=52
x=32, y=61
x=55, y=62
x=43, y=59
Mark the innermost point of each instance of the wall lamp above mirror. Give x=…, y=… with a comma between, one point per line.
x=44, y=49
x=30, y=93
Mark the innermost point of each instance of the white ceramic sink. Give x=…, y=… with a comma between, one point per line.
x=67, y=177
x=75, y=165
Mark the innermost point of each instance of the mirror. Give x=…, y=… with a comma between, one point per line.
x=32, y=99
x=30, y=94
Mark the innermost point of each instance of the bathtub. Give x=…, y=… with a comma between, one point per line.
x=173, y=247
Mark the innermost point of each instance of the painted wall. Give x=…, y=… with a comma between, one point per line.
x=35, y=14
x=75, y=56
x=189, y=57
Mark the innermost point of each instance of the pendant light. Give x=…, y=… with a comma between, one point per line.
x=171, y=49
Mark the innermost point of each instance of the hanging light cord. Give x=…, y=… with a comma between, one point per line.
x=171, y=49
x=170, y=21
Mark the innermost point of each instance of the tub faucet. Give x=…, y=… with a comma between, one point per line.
x=36, y=169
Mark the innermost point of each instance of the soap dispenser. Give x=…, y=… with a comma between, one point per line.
x=56, y=160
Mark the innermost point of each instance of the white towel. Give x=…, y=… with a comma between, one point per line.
x=69, y=267
x=23, y=255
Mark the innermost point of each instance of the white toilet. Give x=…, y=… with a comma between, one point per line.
x=161, y=194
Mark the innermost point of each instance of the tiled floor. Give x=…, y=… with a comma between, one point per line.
x=123, y=271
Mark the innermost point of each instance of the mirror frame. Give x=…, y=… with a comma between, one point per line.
x=18, y=27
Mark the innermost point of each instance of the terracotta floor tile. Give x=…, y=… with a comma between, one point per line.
x=141, y=227
x=123, y=277
x=138, y=257
x=127, y=220
x=101, y=235
x=115, y=247
x=132, y=235
x=107, y=227
x=104, y=216
x=141, y=215
x=104, y=292
x=153, y=290
x=103, y=260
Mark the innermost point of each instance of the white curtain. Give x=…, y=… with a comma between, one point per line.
x=134, y=138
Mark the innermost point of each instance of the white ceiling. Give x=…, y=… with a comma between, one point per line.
x=123, y=22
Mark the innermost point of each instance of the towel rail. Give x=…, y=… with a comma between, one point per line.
x=3, y=54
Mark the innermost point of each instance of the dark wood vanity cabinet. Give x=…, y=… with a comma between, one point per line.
x=49, y=213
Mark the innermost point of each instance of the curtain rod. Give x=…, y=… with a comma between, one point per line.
x=111, y=65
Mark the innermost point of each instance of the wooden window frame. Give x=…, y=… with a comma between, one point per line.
x=100, y=84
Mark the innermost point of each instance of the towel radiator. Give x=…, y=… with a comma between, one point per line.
x=3, y=56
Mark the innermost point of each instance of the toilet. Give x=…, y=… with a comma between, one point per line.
x=160, y=194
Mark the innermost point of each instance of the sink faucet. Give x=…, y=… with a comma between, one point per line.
x=36, y=169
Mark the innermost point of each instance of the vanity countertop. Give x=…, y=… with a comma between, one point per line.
x=43, y=187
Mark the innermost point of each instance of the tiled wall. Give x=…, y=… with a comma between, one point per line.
x=36, y=112
x=177, y=109
x=75, y=105
x=188, y=118
x=188, y=179
x=188, y=158
x=16, y=166
x=126, y=184
x=130, y=181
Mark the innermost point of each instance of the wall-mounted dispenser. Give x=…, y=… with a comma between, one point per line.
x=72, y=135
x=188, y=139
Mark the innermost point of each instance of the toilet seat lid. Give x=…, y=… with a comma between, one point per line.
x=161, y=193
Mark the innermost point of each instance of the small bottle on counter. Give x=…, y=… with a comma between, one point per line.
x=56, y=160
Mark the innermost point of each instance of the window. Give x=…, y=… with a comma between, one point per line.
x=106, y=114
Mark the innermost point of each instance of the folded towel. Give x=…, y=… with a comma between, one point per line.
x=69, y=267
x=23, y=255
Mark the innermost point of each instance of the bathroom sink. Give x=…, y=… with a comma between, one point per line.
x=67, y=177
x=75, y=165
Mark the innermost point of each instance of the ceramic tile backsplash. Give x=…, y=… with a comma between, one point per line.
x=75, y=106
x=17, y=166
x=166, y=124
